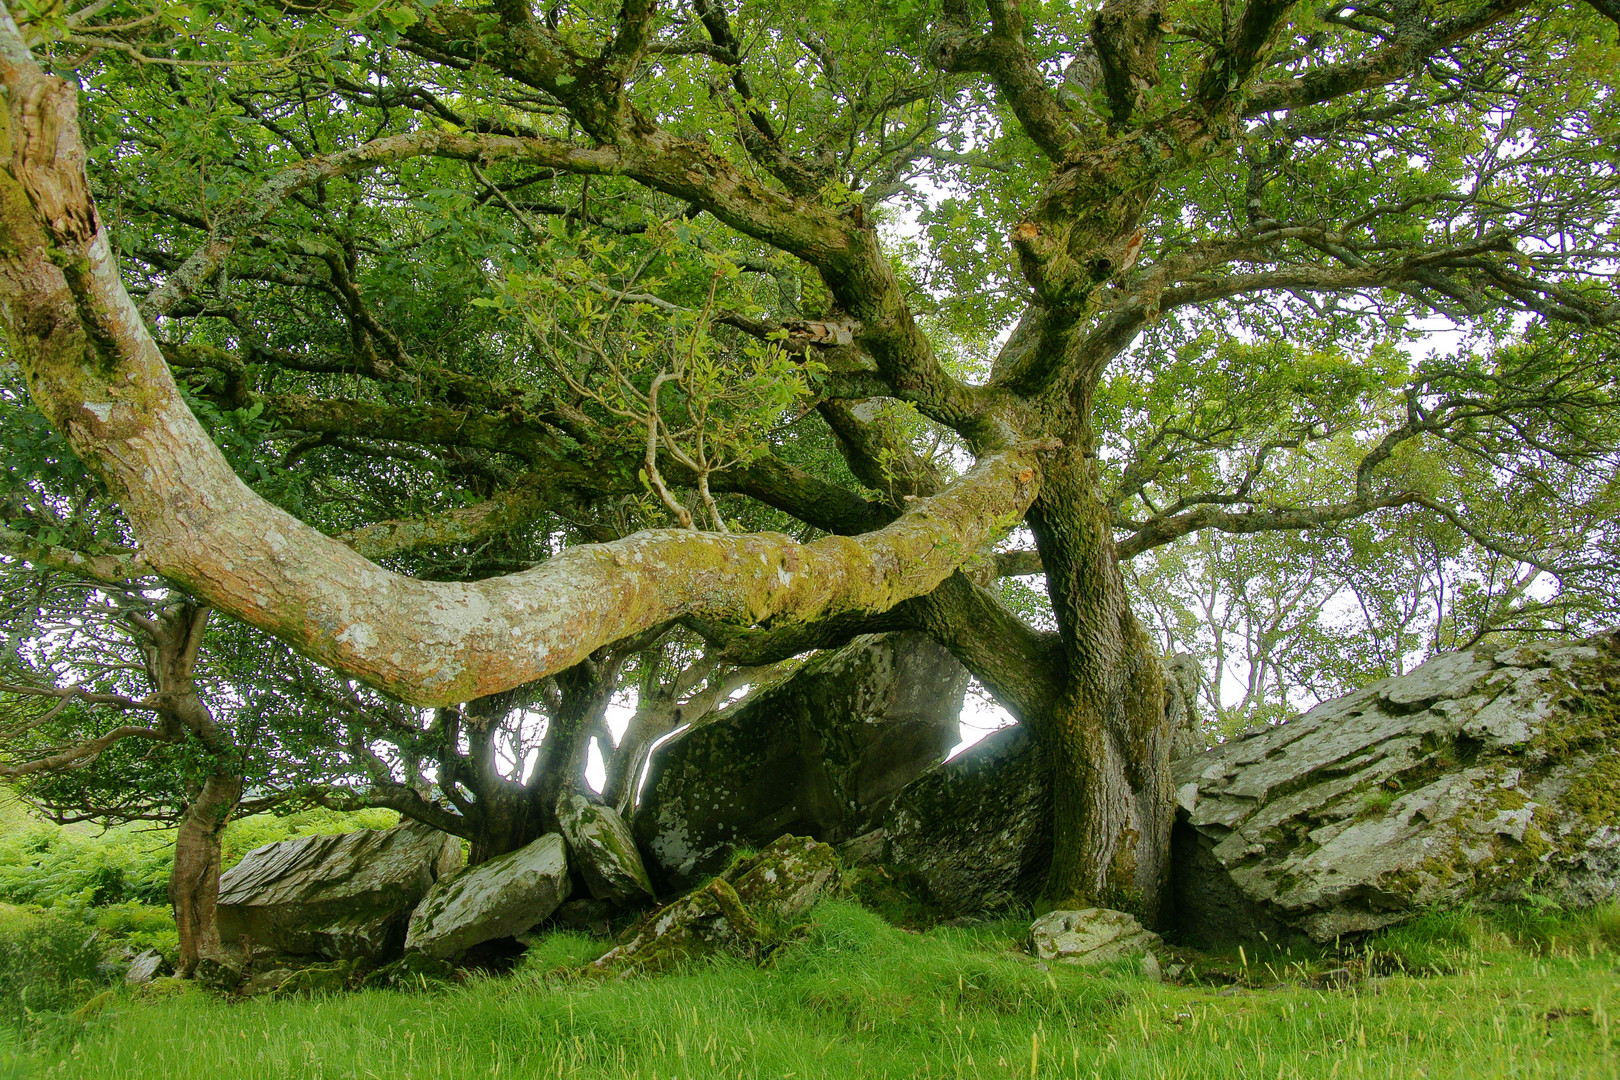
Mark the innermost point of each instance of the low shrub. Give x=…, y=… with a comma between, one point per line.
x=49, y=964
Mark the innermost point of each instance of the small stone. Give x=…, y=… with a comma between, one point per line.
x=147, y=966
x=1151, y=969
x=217, y=973
x=319, y=979
x=264, y=982
x=413, y=971
x=1090, y=936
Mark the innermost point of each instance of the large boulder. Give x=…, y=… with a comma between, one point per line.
x=1481, y=774
x=497, y=899
x=340, y=897
x=603, y=851
x=976, y=831
x=742, y=911
x=821, y=754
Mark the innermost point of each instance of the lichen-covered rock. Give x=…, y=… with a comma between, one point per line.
x=976, y=831
x=821, y=753
x=334, y=896
x=1480, y=774
x=604, y=852
x=329, y=978
x=787, y=878
x=1090, y=936
x=739, y=912
x=412, y=971
x=500, y=898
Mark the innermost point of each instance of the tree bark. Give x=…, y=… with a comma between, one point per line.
x=1107, y=733
x=194, y=881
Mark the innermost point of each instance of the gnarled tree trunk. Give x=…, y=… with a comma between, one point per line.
x=1107, y=731
x=194, y=881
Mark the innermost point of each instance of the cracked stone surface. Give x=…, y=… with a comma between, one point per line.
x=1480, y=774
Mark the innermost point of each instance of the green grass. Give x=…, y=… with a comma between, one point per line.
x=1469, y=995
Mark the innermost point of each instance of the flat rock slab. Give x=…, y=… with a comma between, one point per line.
x=497, y=899
x=603, y=851
x=339, y=897
x=1481, y=774
x=145, y=967
x=1090, y=936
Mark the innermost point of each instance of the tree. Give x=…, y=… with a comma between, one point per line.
x=597, y=267
x=108, y=718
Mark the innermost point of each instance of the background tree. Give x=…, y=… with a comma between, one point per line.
x=497, y=288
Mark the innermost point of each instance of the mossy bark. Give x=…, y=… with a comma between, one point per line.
x=1106, y=732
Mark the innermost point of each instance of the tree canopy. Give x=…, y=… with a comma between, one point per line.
x=471, y=349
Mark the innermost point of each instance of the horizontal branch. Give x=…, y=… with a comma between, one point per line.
x=1161, y=531
x=94, y=369
x=83, y=753
x=111, y=568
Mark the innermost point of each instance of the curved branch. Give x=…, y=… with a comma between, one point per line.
x=95, y=371
x=84, y=753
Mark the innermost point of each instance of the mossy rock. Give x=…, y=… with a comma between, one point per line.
x=413, y=971
x=602, y=849
x=745, y=911
x=330, y=978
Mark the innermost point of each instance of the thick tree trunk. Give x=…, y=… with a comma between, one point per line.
x=194, y=881
x=1107, y=732
x=505, y=824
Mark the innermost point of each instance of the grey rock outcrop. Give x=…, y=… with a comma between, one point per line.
x=603, y=851
x=977, y=830
x=339, y=897
x=500, y=898
x=822, y=753
x=1480, y=774
x=1090, y=936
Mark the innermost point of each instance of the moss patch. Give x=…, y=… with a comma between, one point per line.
x=1596, y=795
